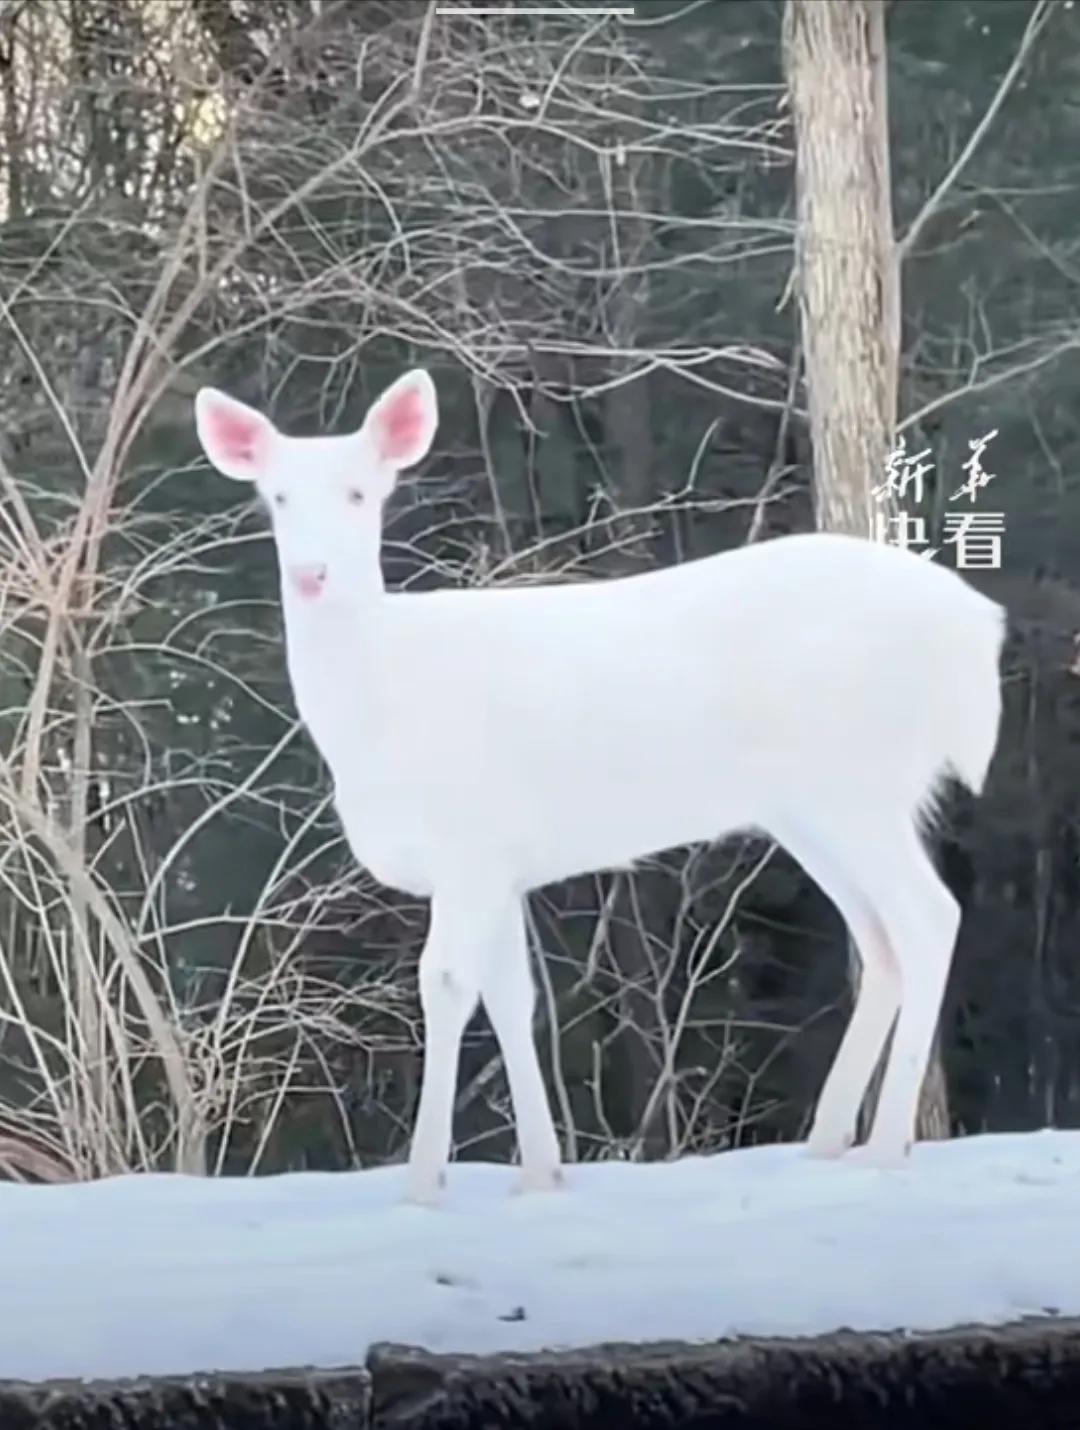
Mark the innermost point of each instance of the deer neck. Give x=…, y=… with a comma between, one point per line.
x=334, y=648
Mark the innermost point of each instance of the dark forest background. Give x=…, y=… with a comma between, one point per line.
x=584, y=228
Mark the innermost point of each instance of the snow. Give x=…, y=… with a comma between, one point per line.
x=161, y=1274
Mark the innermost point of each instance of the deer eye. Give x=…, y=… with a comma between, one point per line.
x=279, y=498
x=356, y=496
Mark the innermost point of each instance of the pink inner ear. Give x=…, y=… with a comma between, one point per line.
x=401, y=426
x=239, y=437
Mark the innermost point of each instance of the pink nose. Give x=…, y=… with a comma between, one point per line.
x=308, y=581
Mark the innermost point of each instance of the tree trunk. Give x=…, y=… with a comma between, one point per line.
x=848, y=288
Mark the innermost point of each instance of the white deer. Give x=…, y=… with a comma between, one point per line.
x=485, y=742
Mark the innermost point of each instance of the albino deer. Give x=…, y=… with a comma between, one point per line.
x=483, y=743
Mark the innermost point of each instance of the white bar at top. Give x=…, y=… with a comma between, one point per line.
x=533, y=10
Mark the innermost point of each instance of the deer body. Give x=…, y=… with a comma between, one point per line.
x=484, y=743
x=510, y=723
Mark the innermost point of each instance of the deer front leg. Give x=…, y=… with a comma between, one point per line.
x=458, y=943
x=508, y=996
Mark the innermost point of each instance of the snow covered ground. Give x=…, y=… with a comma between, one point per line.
x=168, y=1274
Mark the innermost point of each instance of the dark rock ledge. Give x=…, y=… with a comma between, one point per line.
x=1023, y=1375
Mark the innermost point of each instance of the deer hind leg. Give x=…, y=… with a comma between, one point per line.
x=836, y=1117
x=922, y=920
x=508, y=996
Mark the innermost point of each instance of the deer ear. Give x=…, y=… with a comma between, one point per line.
x=236, y=438
x=401, y=423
